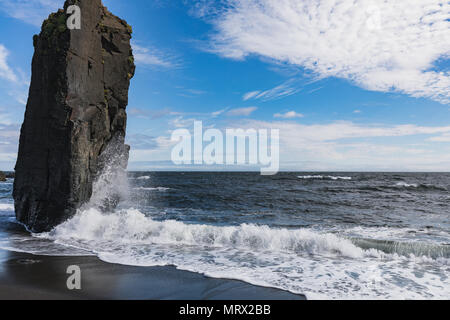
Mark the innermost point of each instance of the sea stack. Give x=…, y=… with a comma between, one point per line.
x=2, y=177
x=75, y=119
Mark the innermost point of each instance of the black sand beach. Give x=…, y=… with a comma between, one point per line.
x=29, y=277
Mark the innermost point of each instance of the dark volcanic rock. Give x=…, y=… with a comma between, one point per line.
x=2, y=176
x=75, y=119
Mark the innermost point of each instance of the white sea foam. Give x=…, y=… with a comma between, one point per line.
x=320, y=265
x=6, y=207
x=131, y=226
x=318, y=177
x=407, y=185
x=161, y=189
x=143, y=178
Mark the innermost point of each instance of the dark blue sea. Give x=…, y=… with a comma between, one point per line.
x=325, y=235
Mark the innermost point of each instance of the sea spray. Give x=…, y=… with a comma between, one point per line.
x=111, y=184
x=110, y=188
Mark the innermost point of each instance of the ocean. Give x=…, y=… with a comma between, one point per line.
x=325, y=235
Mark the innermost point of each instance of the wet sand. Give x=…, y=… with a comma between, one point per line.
x=26, y=276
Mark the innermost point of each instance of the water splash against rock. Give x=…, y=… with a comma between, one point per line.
x=111, y=184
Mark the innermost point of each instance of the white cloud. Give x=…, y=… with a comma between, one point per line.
x=145, y=148
x=288, y=88
x=288, y=115
x=190, y=93
x=5, y=70
x=242, y=112
x=182, y=122
x=348, y=146
x=150, y=114
x=218, y=113
x=389, y=45
x=148, y=56
x=31, y=12
x=9, y=139
x=333, y=146
x=250, y=95
x=345, y=130
x=16, y=81
x=442, y=138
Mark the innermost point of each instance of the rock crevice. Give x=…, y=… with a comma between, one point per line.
x=76, y=110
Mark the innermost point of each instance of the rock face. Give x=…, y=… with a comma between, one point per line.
x=2, y=177
x=75, y=118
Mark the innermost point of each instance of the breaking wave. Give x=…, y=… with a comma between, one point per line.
x=419, y=186
x=133, y=227
x=433, y=251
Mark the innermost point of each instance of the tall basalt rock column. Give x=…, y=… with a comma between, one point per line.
x=75, y=119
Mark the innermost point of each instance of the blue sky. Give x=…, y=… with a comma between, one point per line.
x=350, y=87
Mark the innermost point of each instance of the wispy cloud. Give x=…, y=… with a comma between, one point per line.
x=346, y=130
x=31, y=12
x=181, y=122
x=250, y=95
x=5, y=70
x=286, y=89
x=189, y=93
x=152, y=57
x=145, y=148
x=288, y=115
x=150, y=114
x=14, y=80
x=379, y=45
x=142, y=142
x=215, y=114
x=332, y=146
x=346, y=145
x=9, y=139
x=443, y=138
x=244, y=112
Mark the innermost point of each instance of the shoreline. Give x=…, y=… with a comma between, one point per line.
x=25, y=276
